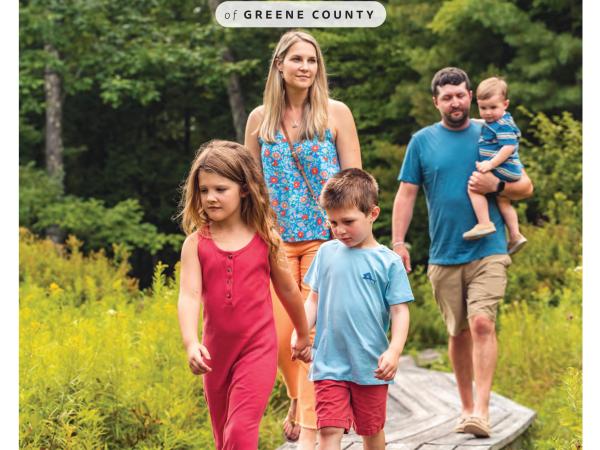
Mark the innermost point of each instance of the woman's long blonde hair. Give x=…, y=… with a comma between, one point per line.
x=235, y=162
x=314, y=119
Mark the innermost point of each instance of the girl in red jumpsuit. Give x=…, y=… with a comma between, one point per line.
x=230, y=255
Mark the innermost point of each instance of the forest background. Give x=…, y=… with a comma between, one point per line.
x=116, y=96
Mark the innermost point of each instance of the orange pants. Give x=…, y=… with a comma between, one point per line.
x=295, y=373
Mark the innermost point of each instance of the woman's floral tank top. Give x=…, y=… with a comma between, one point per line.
x=298, y=215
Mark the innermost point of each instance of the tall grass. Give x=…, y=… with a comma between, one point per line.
x=101, y=364
x=540, y=364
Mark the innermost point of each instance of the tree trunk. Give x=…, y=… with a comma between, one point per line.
x=234, y=89
x=53, y=133
x=236, y=100
x=54, y=143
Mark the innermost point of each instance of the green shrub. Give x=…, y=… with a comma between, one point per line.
x=37, y=190
x=99, y=226
x=427, y=327
x=101, y=363
x=541, y=269
x=553, y=158
x=539, y=362
x=538, y=343
x=42, y=205
x=75, y=279
x=560, y=423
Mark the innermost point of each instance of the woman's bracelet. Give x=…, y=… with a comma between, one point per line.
x=397, y=243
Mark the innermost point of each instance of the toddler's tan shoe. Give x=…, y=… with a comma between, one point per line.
x=516, y=245
x=479, y=231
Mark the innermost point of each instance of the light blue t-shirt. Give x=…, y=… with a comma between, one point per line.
x=442, y=161
x=356, y=288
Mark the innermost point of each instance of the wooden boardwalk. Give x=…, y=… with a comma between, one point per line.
x=423, y=407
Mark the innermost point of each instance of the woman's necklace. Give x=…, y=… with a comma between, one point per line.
x=295, y=123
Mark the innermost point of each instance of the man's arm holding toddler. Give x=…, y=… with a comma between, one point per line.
x=485, y=183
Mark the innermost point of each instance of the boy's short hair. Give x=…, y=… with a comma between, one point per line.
x=348, y=188
x=490, y=87
x=449, y=75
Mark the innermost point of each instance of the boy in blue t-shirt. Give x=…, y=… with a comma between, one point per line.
x=357, y=286
x=498, y=152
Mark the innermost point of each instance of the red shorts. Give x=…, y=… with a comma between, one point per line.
x=342, y=404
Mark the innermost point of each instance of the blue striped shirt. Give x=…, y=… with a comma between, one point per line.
x=496, y=135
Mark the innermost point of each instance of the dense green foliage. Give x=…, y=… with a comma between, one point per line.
x=99, y=360
x=145, y=85
x=42, y=205
x=553, y=151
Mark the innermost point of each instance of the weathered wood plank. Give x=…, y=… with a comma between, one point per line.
x=418, y=432
x=438, y=432
x=348, y=445
x=353, y=446
x=399, y=446
x=472, y=447
x=288, y=446
x=423, y=398
x=440, y=387
x=412, y=405
x=395, y=408
x=437, y=447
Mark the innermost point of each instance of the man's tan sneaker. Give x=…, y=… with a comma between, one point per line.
x=460, y=425
x=478, y=426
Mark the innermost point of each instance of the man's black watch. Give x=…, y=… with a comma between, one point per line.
x=500, y=187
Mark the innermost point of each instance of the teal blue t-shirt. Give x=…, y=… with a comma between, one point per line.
x=442, y=161
x=356, y=288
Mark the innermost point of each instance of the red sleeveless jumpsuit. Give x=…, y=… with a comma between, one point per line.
x=239, y=332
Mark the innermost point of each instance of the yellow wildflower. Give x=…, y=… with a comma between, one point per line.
x=55, y=289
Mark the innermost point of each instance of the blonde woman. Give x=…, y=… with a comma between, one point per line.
x=302, y=137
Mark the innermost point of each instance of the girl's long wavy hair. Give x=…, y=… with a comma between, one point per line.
x=235, y=162
x=314, y=118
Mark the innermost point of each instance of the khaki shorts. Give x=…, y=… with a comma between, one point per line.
x=465, y=290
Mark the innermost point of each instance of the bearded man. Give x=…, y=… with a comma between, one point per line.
x=468, y=277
